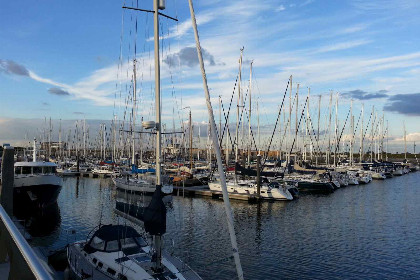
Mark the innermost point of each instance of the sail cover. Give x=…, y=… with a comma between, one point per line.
x=155, y=214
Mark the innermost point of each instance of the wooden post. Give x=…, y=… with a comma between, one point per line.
x=8, y=176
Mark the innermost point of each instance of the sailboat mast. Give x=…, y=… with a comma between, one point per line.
x=351, y=132
x=405, y=142
x=157, y=238
x=336, y=132
x=258, y=123
x=220, y=118
x=59, y=141
x=191, y=138
x=237, y=107
x=249, y=116
x=296, y=121
x=329, y=131
x=133, y=140
x=218, y=152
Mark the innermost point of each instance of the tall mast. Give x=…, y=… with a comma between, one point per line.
x=258, y=123
x=319, y=117
x=49, y=140
x=191, y=138
x=59, y=141
x=387, y=137
x=371, y=136
x=237, y=107
x=405, y=142
x=84, y=138
x=218, y=153
x=361, y=135
x=296, y=121
x=249, y=116
x=290, y=107
x=157, y=238
x=351, y=132
x=133, y=139
x=336, y=132
x=329, y=130
x=220, y=118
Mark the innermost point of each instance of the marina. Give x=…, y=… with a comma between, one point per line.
x=190, y=155
x=350, y=233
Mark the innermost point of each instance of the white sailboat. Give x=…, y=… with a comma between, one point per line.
x=119, y=252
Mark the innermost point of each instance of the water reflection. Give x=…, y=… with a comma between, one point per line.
x=365, y=232
x=39, y=222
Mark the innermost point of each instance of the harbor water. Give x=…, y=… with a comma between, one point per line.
x=358, y=232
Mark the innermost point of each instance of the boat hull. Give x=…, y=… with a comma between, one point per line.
x=36, y=191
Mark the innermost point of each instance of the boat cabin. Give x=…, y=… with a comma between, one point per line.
x=114, y=238
x=33, y=168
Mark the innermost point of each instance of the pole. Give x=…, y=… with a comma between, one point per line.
x=7, y=174
x=191, y=148
x=249, y=117
x=157, y=238
x=133, y=140
x=217, y=150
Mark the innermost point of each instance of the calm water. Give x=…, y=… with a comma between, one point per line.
x=359, y=232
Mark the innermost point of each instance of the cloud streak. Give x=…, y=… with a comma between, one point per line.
x=406, y=104
x=364, y=95
x=58, y=91
x=10, y=67
x=188, y=57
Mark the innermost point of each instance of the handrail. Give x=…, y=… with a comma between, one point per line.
x=26, y=251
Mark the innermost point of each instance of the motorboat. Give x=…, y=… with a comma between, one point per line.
x=247, y=187
x=36, y=182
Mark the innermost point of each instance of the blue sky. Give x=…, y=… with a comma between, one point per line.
x=60, y=59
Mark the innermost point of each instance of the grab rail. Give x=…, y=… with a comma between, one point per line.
x=31, y=259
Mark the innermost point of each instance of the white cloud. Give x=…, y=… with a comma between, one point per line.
x=343, y=46
x=280, y=8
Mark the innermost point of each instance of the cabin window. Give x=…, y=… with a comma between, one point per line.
x=18, y=169
x=100, y=264
x=26, y=170
x=37, y=169
x=53, y=169
x=128, y=243
x=47, y=169
x=111, y=271
x=112, y=246
x=95, y=260
x=97, y=243
x=122, y=277
x=141, y=242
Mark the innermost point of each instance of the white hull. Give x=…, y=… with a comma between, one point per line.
x=37, y=180
x=251, y=189
x=139, y=185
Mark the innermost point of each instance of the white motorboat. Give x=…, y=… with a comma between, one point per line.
x=267, y=191
x=36, y=182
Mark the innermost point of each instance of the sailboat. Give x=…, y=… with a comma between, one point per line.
x=118, y=251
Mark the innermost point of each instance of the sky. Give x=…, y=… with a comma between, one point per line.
x=73, y=60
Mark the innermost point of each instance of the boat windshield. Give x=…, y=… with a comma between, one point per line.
x=97, y=243
x=26, y=170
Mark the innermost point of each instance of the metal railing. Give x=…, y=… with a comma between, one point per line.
x=31, y=259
